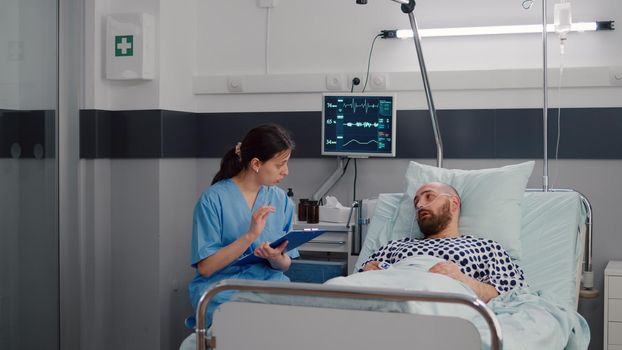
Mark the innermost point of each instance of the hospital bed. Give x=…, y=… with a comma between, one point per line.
x=359, y=312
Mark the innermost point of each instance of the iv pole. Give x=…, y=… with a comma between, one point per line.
x=587, y=289
x=408, y=6
x=545, y=107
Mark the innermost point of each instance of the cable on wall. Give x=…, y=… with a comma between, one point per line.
x=371, y=50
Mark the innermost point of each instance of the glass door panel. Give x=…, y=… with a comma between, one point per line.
x=29, y=270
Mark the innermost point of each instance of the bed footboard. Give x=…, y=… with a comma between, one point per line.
x=311, y=325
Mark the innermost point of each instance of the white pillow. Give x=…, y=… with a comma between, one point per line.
x=491, y=201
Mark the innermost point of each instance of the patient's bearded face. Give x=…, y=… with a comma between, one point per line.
x=432, y=221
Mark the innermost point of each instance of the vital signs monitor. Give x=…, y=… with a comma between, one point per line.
x=358, y=125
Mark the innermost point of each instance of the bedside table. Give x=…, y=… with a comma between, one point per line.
x=337, y=239
x=613, y=306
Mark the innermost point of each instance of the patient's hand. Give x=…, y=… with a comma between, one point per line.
x=483, y=290
x=372, y=265
x=449, y=269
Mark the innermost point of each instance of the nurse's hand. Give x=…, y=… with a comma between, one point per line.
x=267, y=252
x=277, y=259
x=258, y=221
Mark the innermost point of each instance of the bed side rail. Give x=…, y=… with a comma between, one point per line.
x=587, y=278
x=320, y=290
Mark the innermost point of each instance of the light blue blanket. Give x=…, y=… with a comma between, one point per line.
x=532, y=320
x=528, y=319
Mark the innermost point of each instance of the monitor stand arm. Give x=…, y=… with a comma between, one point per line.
x=330, y=181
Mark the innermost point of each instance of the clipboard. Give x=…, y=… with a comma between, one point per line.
x=295, y=239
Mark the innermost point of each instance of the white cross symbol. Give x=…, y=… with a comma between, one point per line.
x=124, y=46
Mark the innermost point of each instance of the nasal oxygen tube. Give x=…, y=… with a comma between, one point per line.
x=412, y=225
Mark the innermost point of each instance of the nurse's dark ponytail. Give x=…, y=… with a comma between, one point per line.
x=262, y=142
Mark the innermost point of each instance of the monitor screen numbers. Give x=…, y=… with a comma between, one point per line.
x=358, y=125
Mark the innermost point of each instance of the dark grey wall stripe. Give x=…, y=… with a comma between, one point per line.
x=589, y=135
x=120, y=134
x=218, y=132
x=29, y=133
x=170, y=134
x=586, y=133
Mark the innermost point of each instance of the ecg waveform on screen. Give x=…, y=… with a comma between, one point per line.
x=354, y=106
x=361, y=124
x=353, y=124
x=359, y=142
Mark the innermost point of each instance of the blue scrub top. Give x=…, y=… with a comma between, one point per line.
x=220, y=217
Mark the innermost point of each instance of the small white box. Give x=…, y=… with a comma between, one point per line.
x=337, y=215
x=130, y=46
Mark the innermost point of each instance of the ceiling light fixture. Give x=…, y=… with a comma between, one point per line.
x=495, y=30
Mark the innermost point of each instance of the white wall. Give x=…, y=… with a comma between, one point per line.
x=112, y=94
x=335, y=37
x=94, y=257
x=178, y=33
x=199, y=39
x=137, y=212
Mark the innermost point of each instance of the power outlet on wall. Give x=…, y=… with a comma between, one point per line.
x=234, y=84
x=379, y=81
x=351, y=76
x=334, y=82
x=615, y=76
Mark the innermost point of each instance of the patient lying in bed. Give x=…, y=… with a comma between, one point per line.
x=481, y=264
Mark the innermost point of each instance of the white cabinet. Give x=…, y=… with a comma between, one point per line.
x=613, y=306
x=337, y=239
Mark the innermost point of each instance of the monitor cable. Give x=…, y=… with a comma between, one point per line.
x=371, y=50
x=355, y=175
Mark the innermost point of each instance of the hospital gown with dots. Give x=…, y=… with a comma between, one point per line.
x=482, y=259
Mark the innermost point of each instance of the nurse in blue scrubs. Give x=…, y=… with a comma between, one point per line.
x=241, y=212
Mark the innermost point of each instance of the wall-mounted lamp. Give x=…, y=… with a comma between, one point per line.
x=493, y=30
